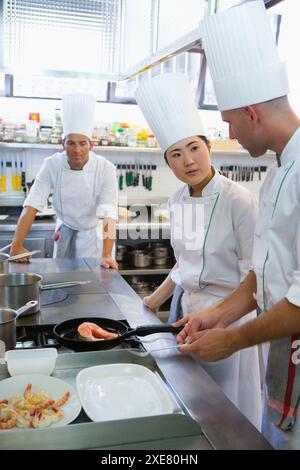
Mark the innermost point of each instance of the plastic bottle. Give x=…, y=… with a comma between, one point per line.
x=131, y=138
x=151, y=141
x=121, y=137
x=32, y=127
x=57, y=118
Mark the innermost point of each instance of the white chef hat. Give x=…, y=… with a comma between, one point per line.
x=169, y=108
x=242, y=56
x=78, y=111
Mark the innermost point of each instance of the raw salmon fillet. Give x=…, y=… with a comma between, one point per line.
x=92, y=332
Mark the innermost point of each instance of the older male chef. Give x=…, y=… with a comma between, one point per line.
x=84, y=191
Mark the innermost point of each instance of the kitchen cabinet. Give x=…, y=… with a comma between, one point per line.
x=40, y=237
x=43, y=245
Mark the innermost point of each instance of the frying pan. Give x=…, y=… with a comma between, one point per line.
x=67, y=335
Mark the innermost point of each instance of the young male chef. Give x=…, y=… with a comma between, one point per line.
x=84, y=189
x=251, y=88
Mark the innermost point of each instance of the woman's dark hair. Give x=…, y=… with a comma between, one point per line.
x=202, y=137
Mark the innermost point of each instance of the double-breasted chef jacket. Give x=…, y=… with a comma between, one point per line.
x=276, y=262
x=80, y=198
x=212, y=265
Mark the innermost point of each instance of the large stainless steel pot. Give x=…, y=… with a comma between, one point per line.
x=140, y=258
x=160, y=254
x=8, y=317
x=18, y=288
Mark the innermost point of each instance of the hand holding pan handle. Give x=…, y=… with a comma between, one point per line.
x=152, y=329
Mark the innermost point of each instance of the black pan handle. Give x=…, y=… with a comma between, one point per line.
x=151, y=329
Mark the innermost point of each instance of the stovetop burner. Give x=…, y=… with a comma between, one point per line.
x=36, y=336
x=42, y=336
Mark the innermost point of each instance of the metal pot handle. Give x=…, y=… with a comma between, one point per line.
x=61, y=285
x=26, y=307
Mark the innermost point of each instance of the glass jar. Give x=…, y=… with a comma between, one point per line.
x=151, y=141
x=9, y=132
x=20, y=134
x=45, y=134
x=131, y=138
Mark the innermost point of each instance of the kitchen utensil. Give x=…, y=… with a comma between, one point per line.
x=142, y=287
x=160, y=254
x=17, y=288
x=121, y=252
x=31, y=361
x=162, y=261
x=140, y=258
x=5, y=259
x=4, y=267
x=125, y=391
x=14, y=173
x=66, y=333
x=8, y=317
x=138, y=352
x=2, y=177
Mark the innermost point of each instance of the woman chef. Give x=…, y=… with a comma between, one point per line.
x=212, y=225
x=84, y=191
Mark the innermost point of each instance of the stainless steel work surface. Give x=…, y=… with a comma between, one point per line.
x=221, y=422
x=84, y=434
x=50, y=265
x=93, y=287
x=128, y=432
x=75, y=306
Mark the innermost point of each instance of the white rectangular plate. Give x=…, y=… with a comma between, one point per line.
x=121, y=391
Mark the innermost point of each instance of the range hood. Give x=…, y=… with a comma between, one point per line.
x=126, y=37
x=187, y=42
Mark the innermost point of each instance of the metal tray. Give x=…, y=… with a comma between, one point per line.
x=166, y=431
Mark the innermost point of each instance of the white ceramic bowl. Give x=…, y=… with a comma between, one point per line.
x=31, y=361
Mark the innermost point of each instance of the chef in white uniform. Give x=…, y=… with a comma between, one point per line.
x=212, y=225
x=251, y=87
x=84, y=189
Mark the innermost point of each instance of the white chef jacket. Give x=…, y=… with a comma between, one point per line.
x=212, y=265
x=276, y=261
x=276, y=250
x=220, y=258
x=80, y=198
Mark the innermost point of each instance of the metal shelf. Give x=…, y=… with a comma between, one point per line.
x=144, y=271
x=126, y=270
x=114, y=149
x=96, y=149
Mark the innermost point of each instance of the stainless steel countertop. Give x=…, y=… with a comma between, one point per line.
x=223, y=425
